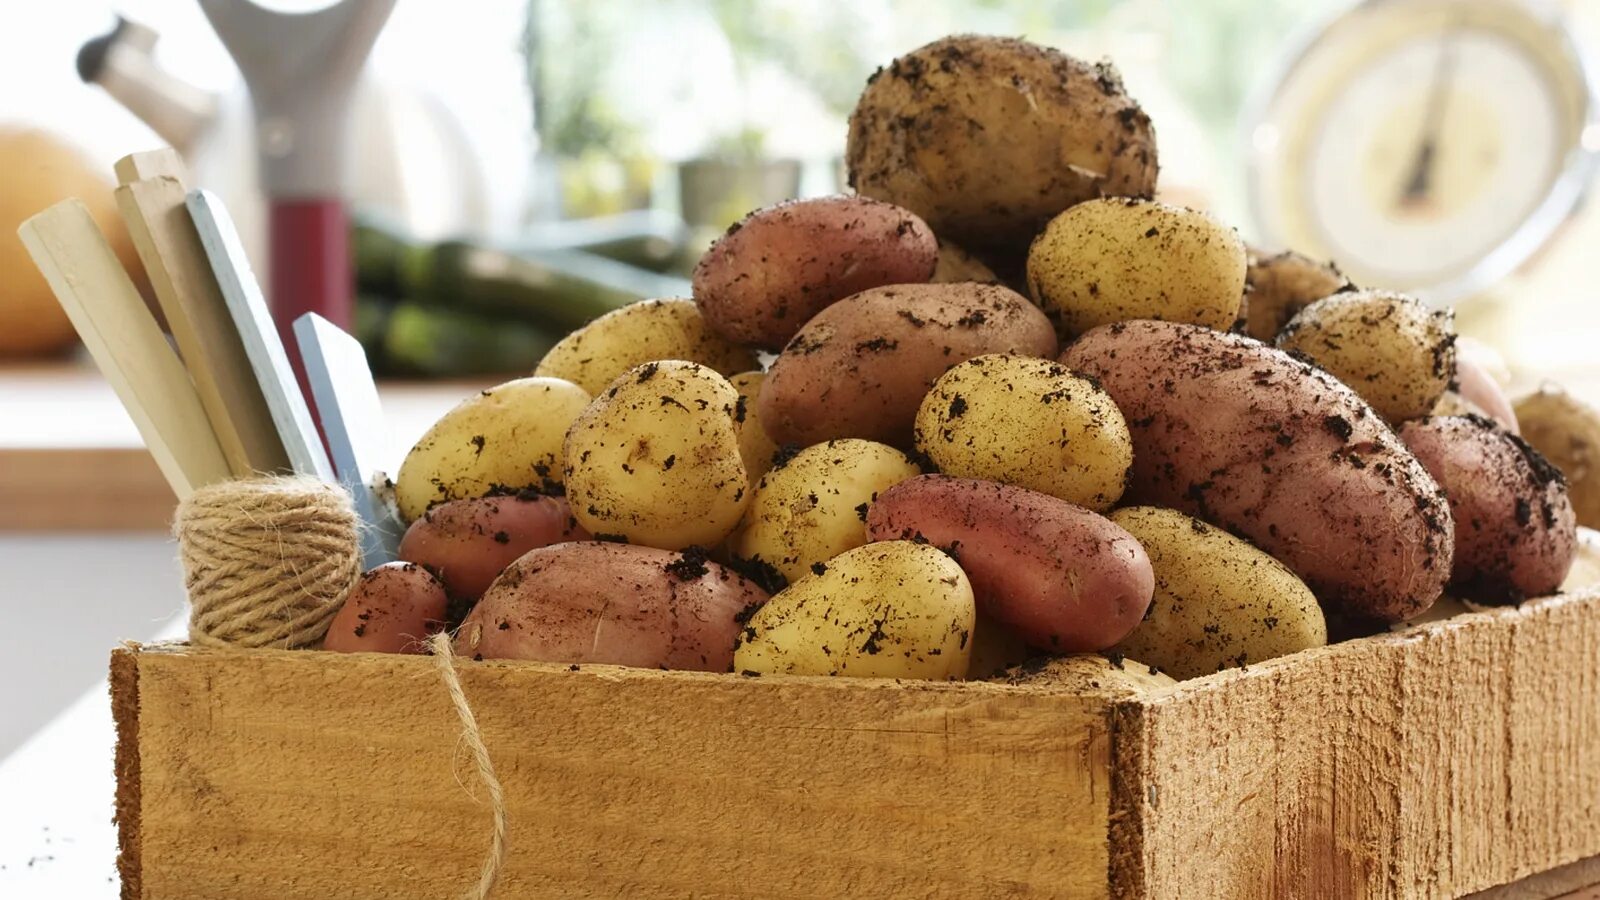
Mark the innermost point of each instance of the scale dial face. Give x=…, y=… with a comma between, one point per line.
x=1425, y=145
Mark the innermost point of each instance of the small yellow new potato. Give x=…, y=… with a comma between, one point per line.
x=814, y=507
x=1219, y=602
x=1028, y=422
x=1282, y=284
x=755, y=445
x=642, y=332
x=507, y=437
x=1395, y=352
x=894, y=609
x=1116, y=259
x=955, y=264
x=655, y=458
x=1567, y=431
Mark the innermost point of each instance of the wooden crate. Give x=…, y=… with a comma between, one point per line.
x=1450, y=759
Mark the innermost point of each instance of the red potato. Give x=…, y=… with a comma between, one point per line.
x=1062, y=578
x=596, y=602
x=1279, y=452
x=392, y=609
x=784, y=264
x=861, y=367
x=1515, y=531
x=467, y=543
x=1478, y=387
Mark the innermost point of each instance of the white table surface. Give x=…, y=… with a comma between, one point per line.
x=56, y=734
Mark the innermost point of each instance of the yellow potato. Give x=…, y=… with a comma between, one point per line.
x=1392, y=350
x=655, y=458
x=1282, y=284
x=814, y=507
x=1219, y=602
x=1567, y=431
x=508, y=437
x=893, y=609
x=1028, y=422
x=755, y=445
x=642, y=332
x=955, y=264
x=1117, y=259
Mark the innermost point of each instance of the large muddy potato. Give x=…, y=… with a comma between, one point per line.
x=1277, y=451
x=1515, y=531
x=611, y=603
x=1061, y=577
x=782, y=265
x=988, y=138
x=862, y=366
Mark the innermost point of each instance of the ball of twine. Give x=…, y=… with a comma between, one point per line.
x=267, y=561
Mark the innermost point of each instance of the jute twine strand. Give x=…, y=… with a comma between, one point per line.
x=267, y=561
x=444, y=658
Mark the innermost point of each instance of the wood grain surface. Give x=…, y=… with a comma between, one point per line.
x=310, y=774
x=1458, y=756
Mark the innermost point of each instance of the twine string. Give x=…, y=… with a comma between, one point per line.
x=267, y=561
x=444, y=658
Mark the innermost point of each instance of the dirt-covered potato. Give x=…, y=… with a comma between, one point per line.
x=784, y=264
x=592, y=602
x=861, y=366
x=1089, y=673
x=756, y=447
x=1064, y=579
x=814, y=506
x=955, y=264
x=506, y=438
x=988, y=138
x=887, y=610
x=1567, y=431
x=1282, y=284
x=467, y=543
x=1219, y=602
x=655, y=458
x=392, y=609
x=642, y=332
x=1515, y=532
x=1395, y=352
x=1279, y=452
x=1117, y=259
x=1029, y=422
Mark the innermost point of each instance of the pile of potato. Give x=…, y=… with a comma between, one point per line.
x=1076, y=421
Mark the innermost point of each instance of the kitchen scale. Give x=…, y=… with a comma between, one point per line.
x=1428, y=146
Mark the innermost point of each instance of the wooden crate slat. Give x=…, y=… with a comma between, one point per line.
x=619, y=782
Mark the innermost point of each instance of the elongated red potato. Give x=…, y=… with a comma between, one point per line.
x=782, y=265
x=861, y=367
x=467, y=543
x=598, y=602
x=1062, y=578
x=1516, y=534
x=1279, y=452
x=392, y=609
